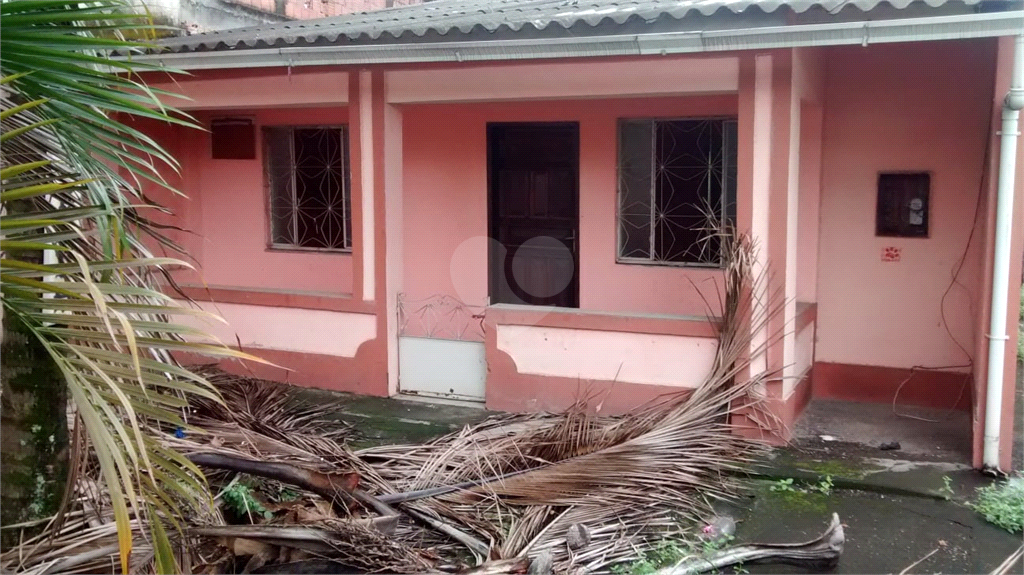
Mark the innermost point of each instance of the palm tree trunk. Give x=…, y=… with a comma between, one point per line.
x=33, y=426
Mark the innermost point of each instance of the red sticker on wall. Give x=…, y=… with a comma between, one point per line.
x=890, y=254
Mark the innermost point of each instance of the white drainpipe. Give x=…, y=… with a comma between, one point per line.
x=997, y=338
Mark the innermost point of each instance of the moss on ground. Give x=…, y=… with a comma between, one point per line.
x=791, y=498
x=834, y=468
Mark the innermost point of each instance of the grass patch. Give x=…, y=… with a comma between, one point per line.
x=1002, y=504
x=669, y=552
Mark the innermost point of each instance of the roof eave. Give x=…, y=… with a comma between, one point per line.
x=1008, y=23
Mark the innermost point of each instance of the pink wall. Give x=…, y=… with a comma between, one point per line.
x=306, y=9
x=445, y=202
x=890, y=108
x=809, y=198
x=227, y=209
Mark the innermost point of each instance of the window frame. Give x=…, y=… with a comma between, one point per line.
x=650, y=261
x=268, y=192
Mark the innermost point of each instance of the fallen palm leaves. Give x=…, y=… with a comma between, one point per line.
x=568, y=493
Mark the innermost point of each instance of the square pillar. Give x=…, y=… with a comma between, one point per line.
x=767, y=204
x=375, y=138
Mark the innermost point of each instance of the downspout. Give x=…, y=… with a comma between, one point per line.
x=998, y=337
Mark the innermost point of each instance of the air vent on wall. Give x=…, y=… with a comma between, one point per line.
x=233, y=139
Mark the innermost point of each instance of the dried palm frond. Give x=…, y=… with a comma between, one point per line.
x=629, y=479
x=626, y=481
x=267, y=408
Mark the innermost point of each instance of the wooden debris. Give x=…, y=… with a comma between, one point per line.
x=500, y=567
x=576, y=492
x=543, y=564
x=479, y=548
x=305, y=567
x=1007, y=565
x=819, y=554
x=330, y=486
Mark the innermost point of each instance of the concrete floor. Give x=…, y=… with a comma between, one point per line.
x=884, y=533
x=942, y=434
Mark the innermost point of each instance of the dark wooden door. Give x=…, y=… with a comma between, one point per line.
x=534, y=181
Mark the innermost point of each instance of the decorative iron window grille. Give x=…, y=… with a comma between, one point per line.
x=677, y=190
x=307, y=179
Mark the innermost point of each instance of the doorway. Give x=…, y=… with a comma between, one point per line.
x=533, y=175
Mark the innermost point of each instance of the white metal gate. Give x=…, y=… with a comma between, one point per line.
x=441, y=348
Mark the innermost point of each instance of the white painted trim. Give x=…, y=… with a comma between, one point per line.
x=366, y=163
x=761, y=166
x=394, y=234
x=551, y=80
x=790, y=370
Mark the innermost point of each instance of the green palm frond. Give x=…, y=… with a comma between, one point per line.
x=71, y=174
x=55, y=55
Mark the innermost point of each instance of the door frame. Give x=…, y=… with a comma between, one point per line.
x=492, y=205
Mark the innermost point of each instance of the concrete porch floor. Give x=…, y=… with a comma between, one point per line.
x=933, y=433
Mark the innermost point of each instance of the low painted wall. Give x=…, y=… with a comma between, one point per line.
x=544, y=360
x=670, y=360
x=289, y=329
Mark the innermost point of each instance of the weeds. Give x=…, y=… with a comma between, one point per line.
x=239, y=499
x=787, y=485
x=1002, y=504
x=824, y=486
x=669, y=552
x=947, y=488
x=784, y=485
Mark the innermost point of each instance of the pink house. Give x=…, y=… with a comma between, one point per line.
x=505, y=201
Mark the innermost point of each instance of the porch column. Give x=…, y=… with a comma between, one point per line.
x=767, y=204
x=375, y=137
x=756, y=167
x=1004, y=64
x=363, y=160
x=391, y=225
x=782, y=233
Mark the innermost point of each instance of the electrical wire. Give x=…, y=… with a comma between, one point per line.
x=954, y=281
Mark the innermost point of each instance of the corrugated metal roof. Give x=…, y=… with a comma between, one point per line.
x=459, y=19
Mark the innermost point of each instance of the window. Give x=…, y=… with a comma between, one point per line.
x=308, y=187
x=677, y=189
x=902, y=209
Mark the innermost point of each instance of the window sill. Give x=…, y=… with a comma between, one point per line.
x=677, y=265
x=301, y=250
x=571, y=318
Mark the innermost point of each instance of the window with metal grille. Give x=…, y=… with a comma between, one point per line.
x=307, y=179
x=677, y=190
